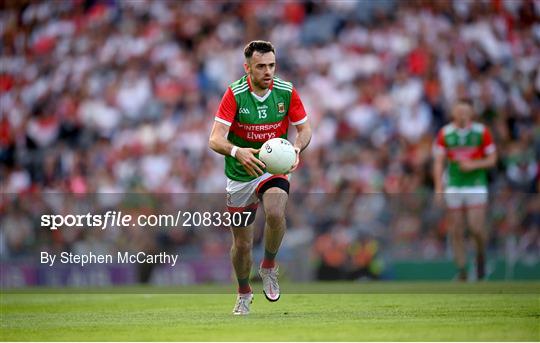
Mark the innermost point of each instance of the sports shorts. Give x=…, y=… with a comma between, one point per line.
x=245, y=196
x=465, y=197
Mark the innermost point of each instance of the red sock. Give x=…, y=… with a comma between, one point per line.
x=268, y=263
x=243, y=286
x=268, y=259
x=244, y=289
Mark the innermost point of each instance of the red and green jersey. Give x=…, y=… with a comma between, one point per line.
x=474, y=142
x=253, y=120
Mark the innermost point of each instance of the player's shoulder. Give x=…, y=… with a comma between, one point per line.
x=239, y=86
x=478, y=127
x=283, y=85
x=447, y=129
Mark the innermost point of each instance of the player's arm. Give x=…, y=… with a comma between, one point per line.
x=303, y=138
x=482, y=163
x=218, y=139
x=302, y=141
x=303, y=128
x=246, y=156
x=438, y=170
x=439, y=159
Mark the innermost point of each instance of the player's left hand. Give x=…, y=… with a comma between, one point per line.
x=467, y=165
x=295, y=165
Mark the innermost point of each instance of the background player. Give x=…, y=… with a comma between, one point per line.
x=470, y=150
x=255, y=108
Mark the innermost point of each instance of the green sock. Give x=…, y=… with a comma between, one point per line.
x=269, y=255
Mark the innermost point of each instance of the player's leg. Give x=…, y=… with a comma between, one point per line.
x=456, y=229
x=476, y=219
x=274, y=196
x=241, y=199
x=476, y=207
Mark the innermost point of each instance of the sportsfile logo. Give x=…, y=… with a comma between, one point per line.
x=117, y=219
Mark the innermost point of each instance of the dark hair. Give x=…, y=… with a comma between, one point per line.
x=259, y=46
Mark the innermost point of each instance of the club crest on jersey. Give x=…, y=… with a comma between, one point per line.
x=281, y=107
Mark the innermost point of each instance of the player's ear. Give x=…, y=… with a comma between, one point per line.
x=246, y=67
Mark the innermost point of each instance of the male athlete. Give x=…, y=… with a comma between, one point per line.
x=255, y=108
x=470, y=150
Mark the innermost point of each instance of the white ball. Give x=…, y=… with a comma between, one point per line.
x=278, y=155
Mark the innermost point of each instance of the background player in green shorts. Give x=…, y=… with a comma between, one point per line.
x=255, y=108
x=468, y=146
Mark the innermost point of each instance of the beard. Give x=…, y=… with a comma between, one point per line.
x=261, y=84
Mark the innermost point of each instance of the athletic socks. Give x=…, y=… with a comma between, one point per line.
x=268, y=260
x=243, y=286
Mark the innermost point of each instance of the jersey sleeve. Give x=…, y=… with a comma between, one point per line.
x=227, y=108
x=439, y=146
x=488, y=146
x=297, y=113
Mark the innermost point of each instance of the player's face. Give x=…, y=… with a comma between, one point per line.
x=261, y=69
x=462, y=115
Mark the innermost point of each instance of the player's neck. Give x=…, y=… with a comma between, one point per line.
x=464, y=126
x=260, y=91
x=256, y=89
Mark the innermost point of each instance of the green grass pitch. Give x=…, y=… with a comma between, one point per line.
x=378, y=311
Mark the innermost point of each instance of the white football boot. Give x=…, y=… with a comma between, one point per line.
x=242, y=304
x=269, y=278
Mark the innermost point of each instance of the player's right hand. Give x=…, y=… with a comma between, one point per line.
x=246, y=157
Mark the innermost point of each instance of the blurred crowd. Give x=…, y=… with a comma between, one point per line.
x=119, y=96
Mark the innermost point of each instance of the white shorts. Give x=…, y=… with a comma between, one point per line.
x=465, y=197
x=244, y=195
